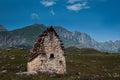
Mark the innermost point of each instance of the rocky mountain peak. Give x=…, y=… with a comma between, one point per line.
x=2, y=28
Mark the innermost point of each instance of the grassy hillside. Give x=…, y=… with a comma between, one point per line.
x=82, y=64
x=74, y=50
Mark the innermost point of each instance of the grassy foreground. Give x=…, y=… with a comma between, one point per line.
x=82, y=64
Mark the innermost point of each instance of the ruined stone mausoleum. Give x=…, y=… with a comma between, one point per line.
x=47, y=54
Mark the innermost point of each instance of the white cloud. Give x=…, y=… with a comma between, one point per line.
x=73, y=1
x=35, y=16
x=47, y=3
x=78, y=6
x=52, y=12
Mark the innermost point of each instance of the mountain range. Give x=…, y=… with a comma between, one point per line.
x=25, y=38
x=2, y=28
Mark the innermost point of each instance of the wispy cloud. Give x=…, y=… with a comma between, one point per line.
x=78, y=6
x=47, y=3
x=73, y=1
x=35, y=16
x=52, y=12
x=73, y=5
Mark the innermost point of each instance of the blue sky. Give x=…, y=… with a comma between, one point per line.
x=98, y=18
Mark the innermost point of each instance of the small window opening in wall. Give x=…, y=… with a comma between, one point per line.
x=60, y=62
x=51, y=56
x=41, y=61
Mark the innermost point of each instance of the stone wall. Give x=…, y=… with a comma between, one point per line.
x=53, y=59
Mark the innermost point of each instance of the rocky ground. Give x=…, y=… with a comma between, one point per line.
x=82, y=64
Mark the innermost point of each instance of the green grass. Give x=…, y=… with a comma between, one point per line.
x=82, y=64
